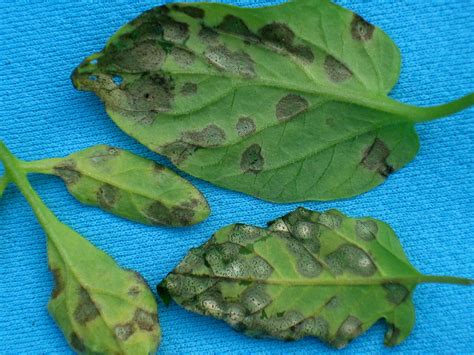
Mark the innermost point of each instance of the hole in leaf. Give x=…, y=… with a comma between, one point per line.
x=93, y=77
x=117, y=79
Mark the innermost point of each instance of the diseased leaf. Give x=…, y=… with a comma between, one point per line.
x=100, y=307
x=286, y=103
x=308, y=274
x=128, y=185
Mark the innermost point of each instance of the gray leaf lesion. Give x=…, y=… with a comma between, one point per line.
x=375, y=158
x=86, y=310
x=252, y=160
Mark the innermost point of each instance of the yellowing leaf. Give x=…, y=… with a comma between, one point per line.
x=127, y=185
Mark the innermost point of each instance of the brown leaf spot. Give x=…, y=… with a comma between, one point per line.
x=174, y=31
x=58, y=283
x=104, y=155
x=330, y=220
x=280, y=38
x=290, y=106
x=353, y=259
x=139, y=278
x=145, y=56
x=361, y=30
x=145, y=320
x=189, y=89
x=158, y=169
x=317, y=327
x=255, y=298
x=237, y=62
x=134, y=291
x=107, y=196
x=366, y=230
x=124, y=331
x=183, y=215
x=77, y=342
x=191, y=11
x=152, y=92
x=236, y=26
x=392, y=335
x=210, y=136
x=335, y=70
x=159, y=214
x=348, y=330
x=183, y=57
x=252, y=160
x=86, y=309
x=67, y=171
x=245, y=126
x=278, y=34
x=396, y=293
x=178, y=151
x=208, y=35
x=375, y=158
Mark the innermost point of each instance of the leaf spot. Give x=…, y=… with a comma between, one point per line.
x=366, y=230
x=396, y=293
x=178, y=151
x=361, y=30
x=210, y=136
x=183, y=57
x=351, y=258
x=290, y=106
x=375, y=158
x=67, y=171
x=86, y=309
x=124, y=331
x=58, y=283
x=191, y=11
x=349, y=329
x=189, y=89
x=237, y=62
x=107, y=196
x=234, y=25
x=145, y=320
x=335, y=70
x=245, y=126
x=252, y=160
x=77, y=342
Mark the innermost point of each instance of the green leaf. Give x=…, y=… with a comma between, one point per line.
x=308, y=274
x=128, y=185
x=100, y=307
x=286, y=103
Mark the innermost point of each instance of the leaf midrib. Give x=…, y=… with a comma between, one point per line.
x=358, y=281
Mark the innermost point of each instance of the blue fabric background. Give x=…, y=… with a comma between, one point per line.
x=429, y=203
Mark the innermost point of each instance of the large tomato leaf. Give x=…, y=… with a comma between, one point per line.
x=286, y=103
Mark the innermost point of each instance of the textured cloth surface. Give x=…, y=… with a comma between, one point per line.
x=429, y=203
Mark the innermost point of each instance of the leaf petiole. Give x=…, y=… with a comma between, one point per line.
x=17, y=175
x=425, y=114
x=44, y=166
x=3, y=184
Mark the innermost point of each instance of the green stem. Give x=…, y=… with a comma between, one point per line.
x=17, y=175
x=3, y=184
x=425, y=114
x=45, y=166
x=446, y=280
